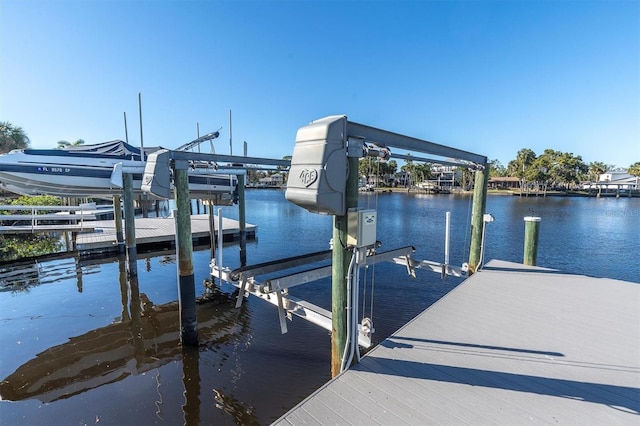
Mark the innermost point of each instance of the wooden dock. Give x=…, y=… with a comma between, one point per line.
x=510, y=345
x=156, y=231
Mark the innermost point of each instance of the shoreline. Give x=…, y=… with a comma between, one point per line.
x=508, y=192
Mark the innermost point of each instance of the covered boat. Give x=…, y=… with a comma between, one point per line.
x=96, y=170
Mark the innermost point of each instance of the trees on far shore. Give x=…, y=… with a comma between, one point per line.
x=64, y=144
x=12, y=137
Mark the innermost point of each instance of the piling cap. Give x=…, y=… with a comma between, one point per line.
x=532, y=219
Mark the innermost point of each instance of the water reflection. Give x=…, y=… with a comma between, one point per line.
x=242, y=415
x=143, y=339
x=191, y=382
x=22, y=276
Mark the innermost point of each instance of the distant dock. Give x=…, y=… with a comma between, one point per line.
x=157, y=231
x=511, y=345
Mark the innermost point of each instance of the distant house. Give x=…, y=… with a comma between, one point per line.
x=444, y=177
x=613, y=181
x=504, y=183
x=404, y=178
x=273, y=181
x=377, y=181
x=615, y=176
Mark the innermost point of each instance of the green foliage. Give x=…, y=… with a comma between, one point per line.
x=518, y=167
x=418, y=172
x=557, y=168
x=12, y=137
x=496, y=169
x=28, y=245
x=550, y=168
x=33, y=200
x=65, y=144
x=464, y=177
x=596, y=168
x=18, y=246
x=376, y=167
x=634, y=169
x=36, y=200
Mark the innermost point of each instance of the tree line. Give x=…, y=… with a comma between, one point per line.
x=14, y=137
x=554, y=168
x=551, y=168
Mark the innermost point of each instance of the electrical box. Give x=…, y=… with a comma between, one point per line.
x=361, y=227
x=319, y=167
x=156, y=179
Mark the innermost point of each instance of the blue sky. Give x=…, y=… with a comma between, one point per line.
x=487, y=77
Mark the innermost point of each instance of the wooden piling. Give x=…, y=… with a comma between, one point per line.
x=130, y=224
x=243, y=221
x=117, y=218
x=340, y=266
x=531, y=231
x=477, y=213
x=212, y=229
x=184, y=247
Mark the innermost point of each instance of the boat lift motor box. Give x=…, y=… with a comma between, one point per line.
x=319, y=167
x=156, y=179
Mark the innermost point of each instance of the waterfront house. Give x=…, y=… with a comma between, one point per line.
x=613, y=182
x=510, y=182
x=273, y=181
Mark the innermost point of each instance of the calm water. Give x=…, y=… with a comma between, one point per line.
x=82, y=344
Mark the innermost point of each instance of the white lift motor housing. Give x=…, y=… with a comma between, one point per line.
x=319, y=167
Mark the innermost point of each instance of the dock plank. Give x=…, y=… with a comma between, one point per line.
x=153, y=231
x=510, y=345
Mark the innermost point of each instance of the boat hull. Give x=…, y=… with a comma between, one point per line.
x=75, y=176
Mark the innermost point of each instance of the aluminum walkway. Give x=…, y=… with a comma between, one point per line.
x=510, y=345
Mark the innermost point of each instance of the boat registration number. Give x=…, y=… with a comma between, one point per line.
x=54, y=169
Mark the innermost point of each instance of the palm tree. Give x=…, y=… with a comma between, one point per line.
x=12, y=137
x=521, y=165
x=596, y=168
x=65, y=144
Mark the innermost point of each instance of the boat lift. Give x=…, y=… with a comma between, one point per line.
x=276, y=289
x=319, y=181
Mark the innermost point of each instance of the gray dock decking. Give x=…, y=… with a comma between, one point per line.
x=154, y=230
x=510, y=345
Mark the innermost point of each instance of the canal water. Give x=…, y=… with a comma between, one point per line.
x=82, y=344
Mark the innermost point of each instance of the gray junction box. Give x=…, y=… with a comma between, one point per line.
x=319, y=167
x=361, y=227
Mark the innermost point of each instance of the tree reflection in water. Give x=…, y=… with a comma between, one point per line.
x=144, y=338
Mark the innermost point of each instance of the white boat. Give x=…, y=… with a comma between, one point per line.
x=96, y=171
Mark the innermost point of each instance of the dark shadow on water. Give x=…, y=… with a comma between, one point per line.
x=617, y=397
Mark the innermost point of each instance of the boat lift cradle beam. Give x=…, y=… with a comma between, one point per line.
x=233, y=159
x=157, y=178
x=385, y=138
x=401, y=256
x=275, y=290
